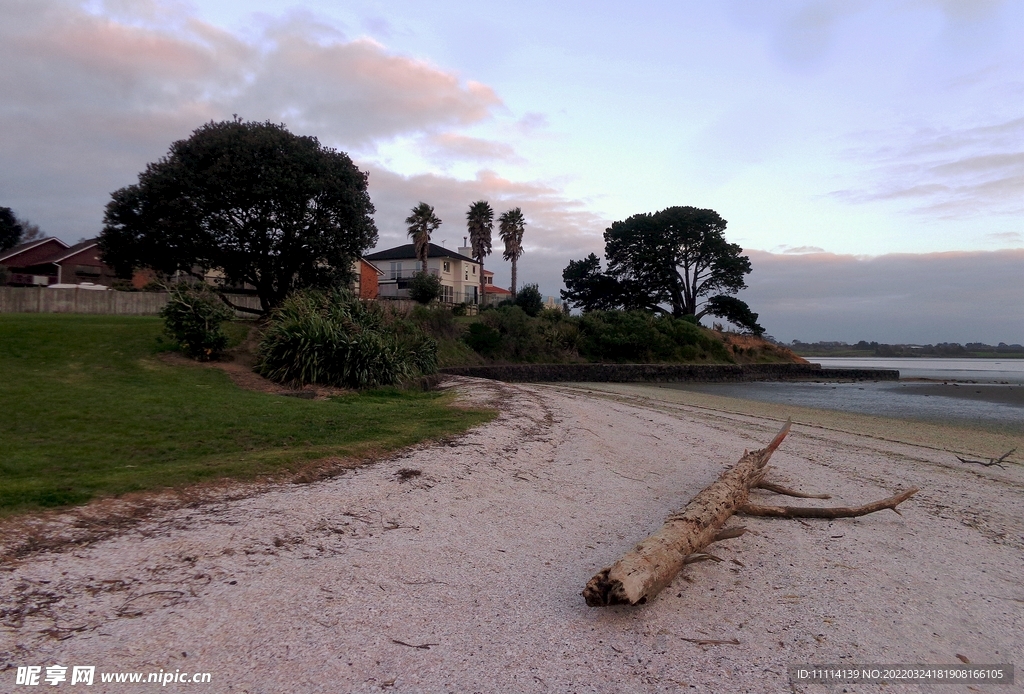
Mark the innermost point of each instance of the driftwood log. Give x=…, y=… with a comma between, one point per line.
x=654, y=563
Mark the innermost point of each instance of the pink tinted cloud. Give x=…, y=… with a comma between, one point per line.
x=357, y=91
x=453, y=146
x=91, y=98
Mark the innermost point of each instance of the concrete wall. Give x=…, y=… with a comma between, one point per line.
x=43, y=300
x=639, y=373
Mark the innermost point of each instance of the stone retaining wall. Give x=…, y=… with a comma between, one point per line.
x=639, y=373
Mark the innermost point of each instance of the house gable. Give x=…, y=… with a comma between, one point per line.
x=38, y=252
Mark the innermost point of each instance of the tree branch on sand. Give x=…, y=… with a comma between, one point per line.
x=654, y=563
x=997, y=462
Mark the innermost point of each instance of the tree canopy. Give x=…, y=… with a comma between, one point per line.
x=263, y=206
x=10, y=229
x=674, y=261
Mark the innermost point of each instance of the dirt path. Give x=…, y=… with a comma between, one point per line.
x=466, y=577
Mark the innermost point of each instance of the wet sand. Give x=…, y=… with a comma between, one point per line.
x=979, y=392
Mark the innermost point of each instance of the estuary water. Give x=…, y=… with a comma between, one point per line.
x=1007, y=371
x=987, y=393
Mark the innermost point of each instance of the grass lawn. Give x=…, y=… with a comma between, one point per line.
x=88, y=410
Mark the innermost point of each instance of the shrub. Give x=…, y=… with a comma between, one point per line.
x=529, y=299
x=635, y=336
x=438, y=322
x=483, y=338
x=459, y=309
x=193, y=316
x=519, y=338
x=332, y=338
x=424, y=287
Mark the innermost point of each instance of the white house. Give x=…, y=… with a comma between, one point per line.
x=459, y=274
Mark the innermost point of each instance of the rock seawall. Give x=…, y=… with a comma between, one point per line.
x=630, y=373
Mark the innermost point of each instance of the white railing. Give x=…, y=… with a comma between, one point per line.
x=409, y=273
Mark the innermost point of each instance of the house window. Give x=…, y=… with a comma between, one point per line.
x=447, y=294
x=474, y=269
x=467, y=275
x=87, y=270
x=447, y=266
x=396, y=271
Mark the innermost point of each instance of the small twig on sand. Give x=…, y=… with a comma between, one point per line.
x=712, y=642
x=176, y=593
x=729, y=533
x=997, y=462
x=701, y=556
x=786, y=491
x=625, y=476
x=423, y=646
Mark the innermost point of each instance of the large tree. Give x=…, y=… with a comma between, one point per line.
x=263, y=206
x=675, y=261
x=511, y=226
x=10, y=229
x=421, y=224
x=590, y=289
x=14, y=230
x=480, y=222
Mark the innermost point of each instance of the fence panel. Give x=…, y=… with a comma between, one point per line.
x=44, y=300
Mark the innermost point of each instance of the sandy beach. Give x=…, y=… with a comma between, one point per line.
x=458, y=566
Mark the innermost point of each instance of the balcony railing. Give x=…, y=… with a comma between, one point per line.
x=393, y=291
x=409, y=273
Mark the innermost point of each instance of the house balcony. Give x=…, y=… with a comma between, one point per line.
x=409, y=273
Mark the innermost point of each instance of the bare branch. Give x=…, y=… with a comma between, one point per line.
x=836, y=512
x=786, y=491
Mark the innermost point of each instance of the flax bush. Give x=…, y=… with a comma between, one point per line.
x=331, y=338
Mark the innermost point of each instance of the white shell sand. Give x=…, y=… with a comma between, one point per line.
x=308, y=588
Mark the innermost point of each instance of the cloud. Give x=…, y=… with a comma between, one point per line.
x=798, y=250
x=531, y=123
x=356, y=92
x=948, y=173
x=453, y=146
x=1008, y=237
x=92, y=95
x=908, y=298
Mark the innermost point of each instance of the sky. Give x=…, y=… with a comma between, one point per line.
x=867, y=155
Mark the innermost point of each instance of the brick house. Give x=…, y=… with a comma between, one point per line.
x=366, y=284
x=51, y=261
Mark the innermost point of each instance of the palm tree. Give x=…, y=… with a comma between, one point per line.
x=511, y=227
x=421, y=223
x=480, y=221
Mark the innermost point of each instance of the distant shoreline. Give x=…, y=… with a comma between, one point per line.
x=858, y=354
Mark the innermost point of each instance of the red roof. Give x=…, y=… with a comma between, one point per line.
x=491, y=289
